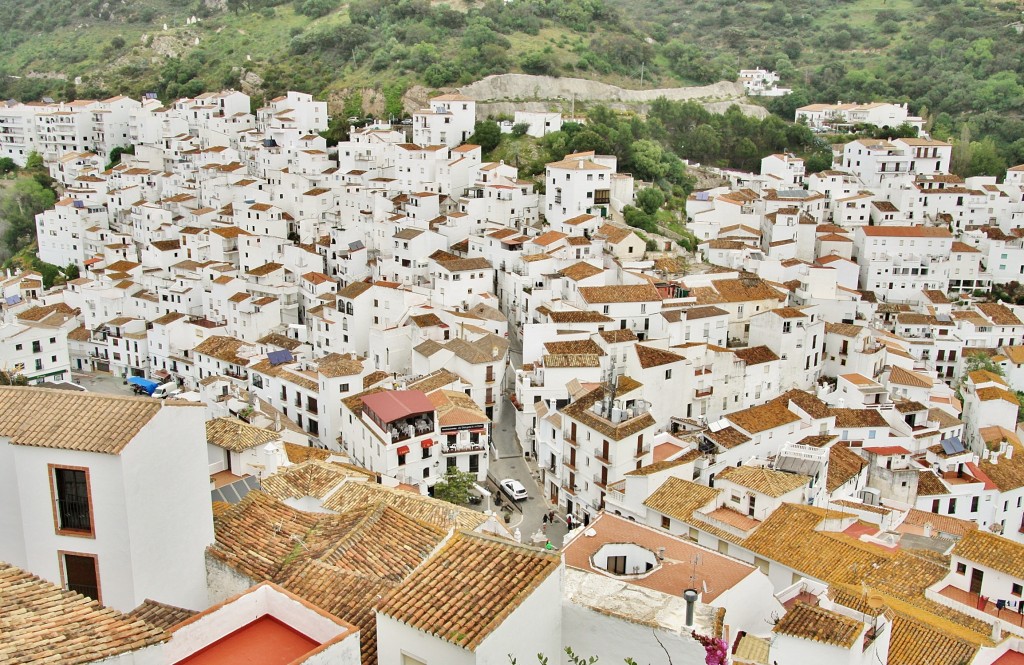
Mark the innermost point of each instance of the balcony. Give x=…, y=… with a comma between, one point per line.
x=569, y=465
x=603, y=458
x=464, y=447
x=703, y=392
x=601, y=482
x=642, y=450
x=567, y=437
x=569, y=488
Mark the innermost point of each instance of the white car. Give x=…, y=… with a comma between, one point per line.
x=514, y=489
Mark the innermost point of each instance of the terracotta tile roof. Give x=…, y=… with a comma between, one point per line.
x=335, y=365
x=343, y=593
x=298, y=454
x=579, y=410
x=222, y=348
x=585, y=346
x=618, y=335
x=906, y=377
x=237, y=436
x=41, y=623
x=580, y=271
x=620, y=293
x=942, y=523
x=354, y=290
x=493, y=578
x=755, y=355
x=859, y=418
x=264, y=270
x=161, y=615
x=762, y=418
x=992, y=393
x=913, y=642
x=422, y=508
x=462, y=265
x=928, y=484
x=313, y=478
x=40, y=312
x=576, y=316
x=566, y=360
x=84, y=421
x=678, y=498
x=766, y=481
x=456, y=408
x=728, y=437
x=999, y=314
x=649, y=356
x=666, y=464
x=435, y=380
x=814, y=623
x=426, y=320
x=906, y=231
x=374, y=378
x=992, y=551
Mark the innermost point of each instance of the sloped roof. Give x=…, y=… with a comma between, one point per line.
x=42, y=623
x=84, y=421
x=492, y=577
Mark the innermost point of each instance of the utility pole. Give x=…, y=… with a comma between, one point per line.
x=642, y=74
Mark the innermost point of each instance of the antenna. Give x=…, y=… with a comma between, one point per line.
x=695, y=561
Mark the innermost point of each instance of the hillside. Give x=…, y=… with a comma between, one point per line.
x=955, y=61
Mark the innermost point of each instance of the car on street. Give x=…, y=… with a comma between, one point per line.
x=513, y=489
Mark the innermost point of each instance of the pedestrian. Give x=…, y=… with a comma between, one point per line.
x=549, y=546
x=551, y=516
x=545, y=519
x=586, y=519
x=568, y=521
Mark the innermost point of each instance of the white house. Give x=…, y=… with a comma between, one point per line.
x=114, y=503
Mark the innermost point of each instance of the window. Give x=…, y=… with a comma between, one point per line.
x=401, y=460
x=37, y=347
x=974, y=504
x=80, y=573
x=72, y=509
x=409, y=660
x=1016, y=590
x=952, y=507
x=666, y=522
x=961, y=569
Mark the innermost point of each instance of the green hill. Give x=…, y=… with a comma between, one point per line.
x=958, y=62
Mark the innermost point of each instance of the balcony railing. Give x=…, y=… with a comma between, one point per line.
x=467, y=447
x=599, y=481
x=704, y=392
x=74, y=513
x=642, y=450
x=603, y=458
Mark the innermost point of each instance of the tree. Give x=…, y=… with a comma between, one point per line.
x=70, y=272
x=19, y=206
x=8, y=378
x=455, y=487
x=7, y=165
x=34, y=161
x=117, y=151
x=487, y=135
x=650, y=199
x=520, y=128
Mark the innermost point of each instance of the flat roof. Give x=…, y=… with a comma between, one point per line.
x=266, y=640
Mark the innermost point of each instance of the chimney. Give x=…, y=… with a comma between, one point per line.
x=690, y=596
x=1009, y=451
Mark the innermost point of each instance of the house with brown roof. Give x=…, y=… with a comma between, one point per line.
x=988, y=402
x=795, y=335
x=603, y=438
x=506, y=591
x=103, y=504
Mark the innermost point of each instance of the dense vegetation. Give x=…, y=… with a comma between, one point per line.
x=957, y=62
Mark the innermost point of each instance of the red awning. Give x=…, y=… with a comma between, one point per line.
x=404, y=450
x=426, y=443
x=478, y=430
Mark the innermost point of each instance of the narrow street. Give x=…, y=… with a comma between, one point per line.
x=508, y=462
